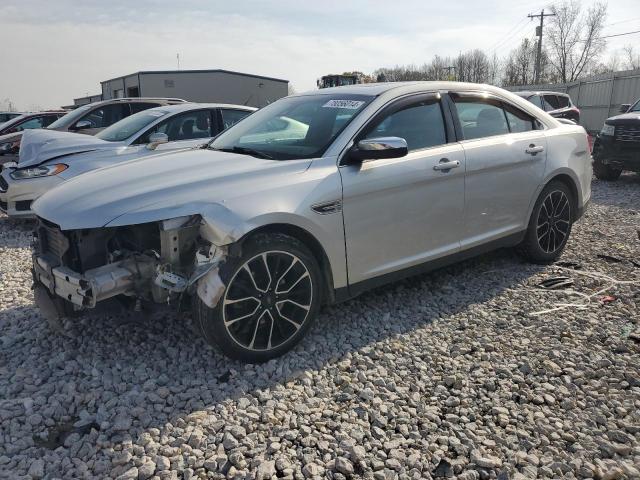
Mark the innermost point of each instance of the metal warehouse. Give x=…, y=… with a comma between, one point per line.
x=213, y=86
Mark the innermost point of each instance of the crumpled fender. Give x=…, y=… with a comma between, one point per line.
x=220, y=225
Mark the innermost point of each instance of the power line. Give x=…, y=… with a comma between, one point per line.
x=506, y=40
x=622, y=21
x=495, y=45
x=621, y=34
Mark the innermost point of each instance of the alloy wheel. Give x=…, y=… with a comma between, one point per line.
x=554, y=221
x=267, y=300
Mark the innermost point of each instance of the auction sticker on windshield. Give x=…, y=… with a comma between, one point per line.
x=348, y=104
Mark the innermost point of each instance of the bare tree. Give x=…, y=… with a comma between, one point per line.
x=575, y=41
x=7, y=105
x=291, y=90
x=495, y=69
x=520, y=64
x=632, y=58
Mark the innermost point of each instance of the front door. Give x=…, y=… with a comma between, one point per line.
x=404, y=211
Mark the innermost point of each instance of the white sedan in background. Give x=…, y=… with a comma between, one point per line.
x=48, y=158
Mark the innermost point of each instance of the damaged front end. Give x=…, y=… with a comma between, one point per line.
x=157, y=262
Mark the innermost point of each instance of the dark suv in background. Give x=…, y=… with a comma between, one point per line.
x=617, y=146
x=556, y=104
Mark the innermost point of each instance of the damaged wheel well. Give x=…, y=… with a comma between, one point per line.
x=311, y=243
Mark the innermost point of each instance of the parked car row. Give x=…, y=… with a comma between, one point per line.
x=50, y=157
x=311, y=200
x=88, y=119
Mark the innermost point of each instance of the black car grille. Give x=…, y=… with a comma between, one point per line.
x=23, y=205
x=627, y=133
x=3, y=184
x=52, y=240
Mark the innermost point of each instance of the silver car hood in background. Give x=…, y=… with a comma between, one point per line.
x=160, y=187
x=38, y=146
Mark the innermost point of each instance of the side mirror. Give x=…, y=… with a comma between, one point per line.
x=82, y=125
x=378, y=148
x=624, y=108
x=156, y=139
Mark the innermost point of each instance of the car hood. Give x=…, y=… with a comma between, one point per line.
x=625, y=118
x=38, y=146
x=160, y=187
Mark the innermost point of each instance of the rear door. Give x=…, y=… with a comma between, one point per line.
x=402, y=212
x=505, y=150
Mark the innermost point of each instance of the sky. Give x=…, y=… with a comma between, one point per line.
x=54, y=51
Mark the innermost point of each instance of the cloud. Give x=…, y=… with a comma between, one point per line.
x=63, y=49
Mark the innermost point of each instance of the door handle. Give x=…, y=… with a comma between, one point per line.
x=445, y=165
x=534, y=149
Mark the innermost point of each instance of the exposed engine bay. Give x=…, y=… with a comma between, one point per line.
x=157, y=261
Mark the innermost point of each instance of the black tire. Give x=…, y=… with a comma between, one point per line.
x=280, y=318
x=605, y=172
x=554, y=207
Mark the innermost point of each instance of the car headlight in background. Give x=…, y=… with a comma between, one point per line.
x=41, y=171
x=608, y=130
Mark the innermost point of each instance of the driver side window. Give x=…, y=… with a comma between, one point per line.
x=186, y=126
x=421, y=125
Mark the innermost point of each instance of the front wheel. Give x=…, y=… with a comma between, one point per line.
x=550, y=224
x=272, y=295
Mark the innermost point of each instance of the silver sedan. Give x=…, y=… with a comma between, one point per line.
x=312, y=200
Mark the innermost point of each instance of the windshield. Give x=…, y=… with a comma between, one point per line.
x=635, y=107
x=69, y=118
x=293, y=127
x=131, y=125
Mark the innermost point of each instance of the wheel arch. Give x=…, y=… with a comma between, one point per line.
x=308, y=240
x=570, y=183
x=568, y=178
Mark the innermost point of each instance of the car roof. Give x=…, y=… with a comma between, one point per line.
x=168, y=101
x=376, y=89
x=185, y=107
x=525, y=93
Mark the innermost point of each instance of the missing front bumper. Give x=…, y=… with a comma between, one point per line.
x=85, y=290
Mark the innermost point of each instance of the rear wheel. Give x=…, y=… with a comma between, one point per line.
x=550, y=224
x=603, y=171
x=271, y=298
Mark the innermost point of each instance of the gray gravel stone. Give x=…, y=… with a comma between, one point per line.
x=446, y=375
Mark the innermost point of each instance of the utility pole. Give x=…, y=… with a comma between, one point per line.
x=539, y=35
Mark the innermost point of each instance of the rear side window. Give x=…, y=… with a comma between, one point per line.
x=420, y=124
x=231, y=117
x=563, y=101
x=536, y=100
x=552, y=102
x=481, y=117
x=517, y=120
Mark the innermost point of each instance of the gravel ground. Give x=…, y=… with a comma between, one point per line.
x=452, y=374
